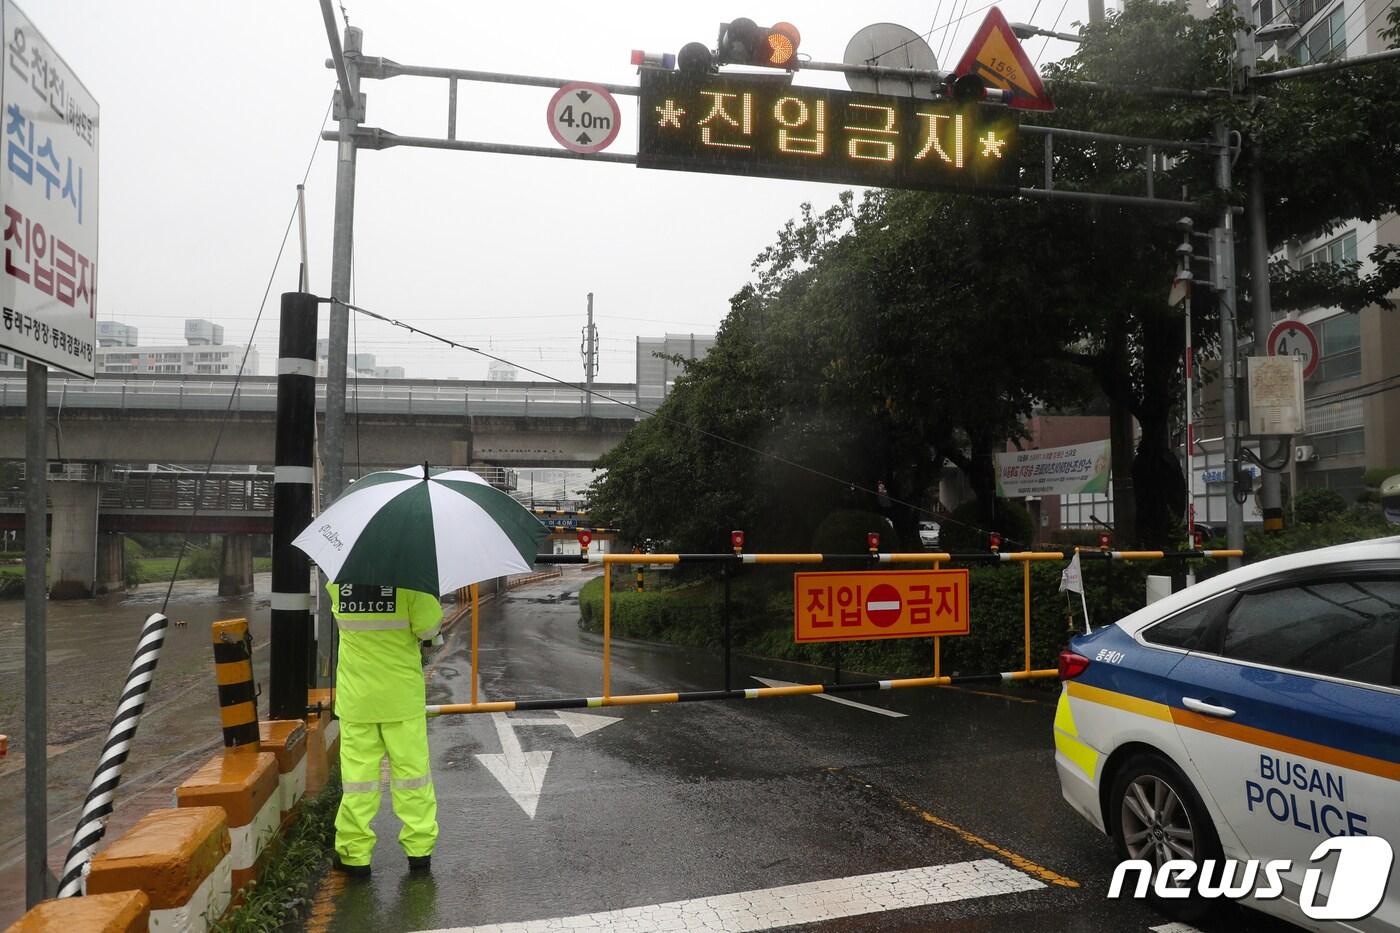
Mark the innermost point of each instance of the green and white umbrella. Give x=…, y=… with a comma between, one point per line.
x=428, y=530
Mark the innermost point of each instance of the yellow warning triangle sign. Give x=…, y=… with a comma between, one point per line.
x=995, y=55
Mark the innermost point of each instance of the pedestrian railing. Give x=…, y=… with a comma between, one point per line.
x=872, y=560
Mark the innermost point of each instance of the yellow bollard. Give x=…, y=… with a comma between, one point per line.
x=233, y=671
x=607, y=629
x=1026, y=588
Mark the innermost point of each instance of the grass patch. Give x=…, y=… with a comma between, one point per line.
x=283, y=891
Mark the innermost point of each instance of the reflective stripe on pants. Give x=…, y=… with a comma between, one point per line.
x=363, y=746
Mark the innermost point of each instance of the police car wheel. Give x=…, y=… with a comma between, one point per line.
x=1156, y=815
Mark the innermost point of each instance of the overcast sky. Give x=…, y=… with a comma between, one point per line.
x=210, y=113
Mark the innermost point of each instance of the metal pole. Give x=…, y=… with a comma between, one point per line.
x=1190, y=417
x=724, y=571
x=349, y=113
x=291, y=506
x=37, y=880
x=1271, y=482
x=1225, y=284
x=590, y=365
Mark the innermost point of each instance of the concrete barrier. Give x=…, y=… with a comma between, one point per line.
x=121, y=912
x=179, y=858
x=245, y=784
x=285, y=740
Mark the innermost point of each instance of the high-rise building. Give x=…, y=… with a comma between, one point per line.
x=204, y=353
x=497, y=371
x=656, y=373
x=115, y=334
x=1353, y=406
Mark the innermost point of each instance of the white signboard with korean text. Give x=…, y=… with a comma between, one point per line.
x=48, y=188
x=1053, y=471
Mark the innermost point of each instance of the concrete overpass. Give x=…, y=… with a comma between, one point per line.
x=389, y=422
x=120, y=419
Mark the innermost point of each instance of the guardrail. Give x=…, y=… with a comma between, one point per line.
x=178, y=492
x=382, y=396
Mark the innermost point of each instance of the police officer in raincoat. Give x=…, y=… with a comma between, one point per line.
x=380, y=699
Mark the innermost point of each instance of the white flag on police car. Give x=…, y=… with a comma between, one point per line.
x=1072, y=580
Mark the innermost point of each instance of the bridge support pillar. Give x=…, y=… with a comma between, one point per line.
x=236, y=571
x=111, y=562
x=73, y=545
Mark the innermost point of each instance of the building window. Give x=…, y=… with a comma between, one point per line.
x=1328, y=38
x=1340, y=339
x=1342, y=249
x=1339, y=443
x=1263, y=12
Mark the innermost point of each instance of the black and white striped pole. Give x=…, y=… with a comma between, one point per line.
x=291, y=506
x=98, y=805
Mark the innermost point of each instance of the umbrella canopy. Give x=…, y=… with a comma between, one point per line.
x=428, y=530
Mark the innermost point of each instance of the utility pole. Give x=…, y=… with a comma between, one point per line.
x=349, y=111
x=1271, y=482
x=1270, y=449
x=1223, y=252
x=590, y=358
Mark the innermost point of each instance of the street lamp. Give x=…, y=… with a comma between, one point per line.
x=1026, y=30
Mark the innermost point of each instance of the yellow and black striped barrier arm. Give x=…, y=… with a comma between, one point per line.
x=751, y=693
x=233, y=670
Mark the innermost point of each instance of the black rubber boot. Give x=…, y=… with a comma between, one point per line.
x=354, y=871
x=420, y=864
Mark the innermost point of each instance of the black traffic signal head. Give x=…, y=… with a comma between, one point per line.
x=970, y=88
x=744, y=42
x=695, y=58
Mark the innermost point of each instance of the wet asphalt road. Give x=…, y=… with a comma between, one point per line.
x=682, y=801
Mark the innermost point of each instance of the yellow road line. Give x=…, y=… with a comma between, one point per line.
x=323, y=907
x=1017, y=861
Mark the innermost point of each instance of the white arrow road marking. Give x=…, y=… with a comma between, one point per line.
x=520, y=772
x=842, y=700
x=813, y=902
x=578, y=723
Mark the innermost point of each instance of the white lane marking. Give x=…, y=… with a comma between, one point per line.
x=522, y=773
x=842, y=700
x=812, y=902
x=1174, y=928
x=578, y=723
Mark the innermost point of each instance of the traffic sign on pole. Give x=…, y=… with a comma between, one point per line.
x=584, y=117
x=1294, y=338
x=995, y=55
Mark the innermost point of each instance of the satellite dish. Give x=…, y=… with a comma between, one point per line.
x=892, y=46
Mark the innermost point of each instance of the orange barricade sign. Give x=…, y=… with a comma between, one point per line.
x=879, y=604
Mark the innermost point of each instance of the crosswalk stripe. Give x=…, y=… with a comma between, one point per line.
x=811, y=902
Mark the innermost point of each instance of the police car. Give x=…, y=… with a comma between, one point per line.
x=1251, y=716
